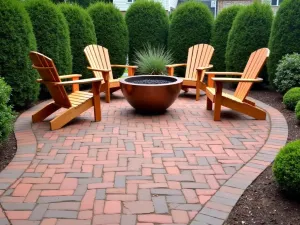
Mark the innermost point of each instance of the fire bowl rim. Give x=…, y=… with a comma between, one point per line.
x=177, y=80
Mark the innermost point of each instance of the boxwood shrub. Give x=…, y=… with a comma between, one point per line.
x=6, y=114
x=111, y=32
x=17, y=39
x=287, y=166
x=82, y=33
x=250, y=31
x=284, y=35
x=287, y=73
x=220, y=33
x=147, y=23
x=191, y=24
x=297, y=110
x=291, y=98
x=52, y=35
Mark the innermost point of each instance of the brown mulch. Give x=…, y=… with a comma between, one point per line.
x=263, y=202
x=8, y=150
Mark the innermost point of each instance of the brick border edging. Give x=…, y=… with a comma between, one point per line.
x=217, y=209
x=26, y=150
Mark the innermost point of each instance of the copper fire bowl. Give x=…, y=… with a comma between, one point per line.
x=151, y=98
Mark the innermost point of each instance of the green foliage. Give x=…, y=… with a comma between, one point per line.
x=291, y=98
x=191, y=24
x=284, y=35
x=82, y=33
x=220, y=34
x=297, y=110
x=6, y=114
x=52, y=35
x=111, y=33
x=287, y=73
x=147, y=23
x=83, y=3
x=17, y=40
x=250, y=31
x=287, y=166
x=153, y=60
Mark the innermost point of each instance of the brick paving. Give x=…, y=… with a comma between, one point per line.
x=178, y=168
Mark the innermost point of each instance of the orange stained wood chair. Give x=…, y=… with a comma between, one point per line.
x=98, y=58
x=199, y=57
x=75, y=103
x=238, y=100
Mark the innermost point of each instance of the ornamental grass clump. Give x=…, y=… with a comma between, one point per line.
x=286, y=168
x=153, y=60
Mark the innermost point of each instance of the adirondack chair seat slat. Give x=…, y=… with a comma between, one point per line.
x=198, y=60
x=212, y=92
x=74, y=103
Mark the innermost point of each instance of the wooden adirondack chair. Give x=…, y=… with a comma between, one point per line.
x=198, y=60
x=238, y=101
x=75, y=103
x=98, y=58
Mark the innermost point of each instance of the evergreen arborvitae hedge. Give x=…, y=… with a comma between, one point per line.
x=111, y=32
x=147, y=23
x=250, y=31
x=222, y=26
x=17, y=40
x=191, y=24
x=284, y=35
x=52, y=35
x=82, y=33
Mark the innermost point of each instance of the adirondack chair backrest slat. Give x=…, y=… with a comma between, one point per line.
x=198, y=56
x=255, y=64
x=98, y=58
x=48, y=72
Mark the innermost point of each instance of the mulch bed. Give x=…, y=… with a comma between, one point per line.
x=263, y=202
x=8, y=150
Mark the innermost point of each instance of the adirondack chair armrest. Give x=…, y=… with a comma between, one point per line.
x=124, y=66
x=99, y=69
x=131, y=69
x=223, y=73
x=170, y=68
x=219, y=79
x=84, y=81
x=176, y=65
x=70, y=76
x=205, y=67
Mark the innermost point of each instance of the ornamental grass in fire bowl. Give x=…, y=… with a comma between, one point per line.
x=155, y=92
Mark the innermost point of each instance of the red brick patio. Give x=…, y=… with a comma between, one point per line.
x=176, y=168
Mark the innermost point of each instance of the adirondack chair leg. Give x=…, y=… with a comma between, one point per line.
x=45, y=112
x=96, y=99
x=70, y=114
x=218, y=101
x=209, y=104
x=131, y=71
x=197, y=91
x=107, y=94
x=75, y=87
x=185, y=89
x=171, y=71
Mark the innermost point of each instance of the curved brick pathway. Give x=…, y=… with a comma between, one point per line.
x=177, y=168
